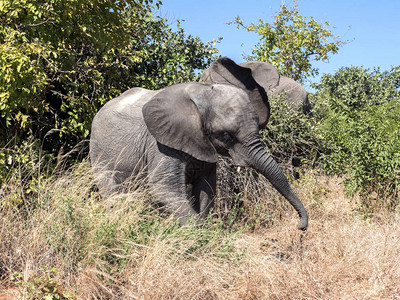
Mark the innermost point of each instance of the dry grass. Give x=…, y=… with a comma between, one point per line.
x=67, y=243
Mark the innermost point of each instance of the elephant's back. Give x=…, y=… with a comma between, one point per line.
x=118, y=129
x=128, y=103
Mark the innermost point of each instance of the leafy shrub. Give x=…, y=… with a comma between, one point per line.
x=60, y=61
x=359, y=112
x=357, y=87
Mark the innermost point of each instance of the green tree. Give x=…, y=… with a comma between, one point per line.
x=359, y=121
x=60, y=60
x=291, y=42
x=358, y=87
x=171, y=56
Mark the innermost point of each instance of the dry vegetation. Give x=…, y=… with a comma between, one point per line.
x=66, y=243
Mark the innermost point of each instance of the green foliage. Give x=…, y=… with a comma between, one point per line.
x=171, y=57
x=358, y=87
x=292, y=42
x=360, y=124
x=60, y=61
x=41, y=287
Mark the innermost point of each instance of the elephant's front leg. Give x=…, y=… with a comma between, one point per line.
x=167, y=183
x=204, y=189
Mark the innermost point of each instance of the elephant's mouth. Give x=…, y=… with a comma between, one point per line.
x=239, y=159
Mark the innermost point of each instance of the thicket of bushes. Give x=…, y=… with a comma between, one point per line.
x=354, y=131
x=61, y=60
x=359, y=116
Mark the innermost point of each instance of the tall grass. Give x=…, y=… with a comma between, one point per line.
x=65, y=230
x=63, y=241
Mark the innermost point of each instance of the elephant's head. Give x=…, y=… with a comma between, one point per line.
x=226, y=71
x=204, y=120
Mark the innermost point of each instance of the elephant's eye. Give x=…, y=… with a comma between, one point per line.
x=226, y=137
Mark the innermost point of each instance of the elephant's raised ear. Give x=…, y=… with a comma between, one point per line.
x=224, y=70
x=174, y=120
x=264, y=73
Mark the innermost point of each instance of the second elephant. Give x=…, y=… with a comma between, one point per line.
x=267, y=76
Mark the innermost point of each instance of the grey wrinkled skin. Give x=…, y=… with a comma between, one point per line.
x=275, y=85
x=172, y=137
x=294, y=94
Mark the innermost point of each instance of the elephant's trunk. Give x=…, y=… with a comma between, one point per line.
x=263, y=163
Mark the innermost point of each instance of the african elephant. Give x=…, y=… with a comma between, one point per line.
x=174, y=135
x=267, y=76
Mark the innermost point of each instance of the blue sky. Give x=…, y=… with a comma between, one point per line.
x=374, y=36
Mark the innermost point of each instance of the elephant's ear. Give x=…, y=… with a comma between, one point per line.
x=264, y=73
x=174, y=120
x=224, y=70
